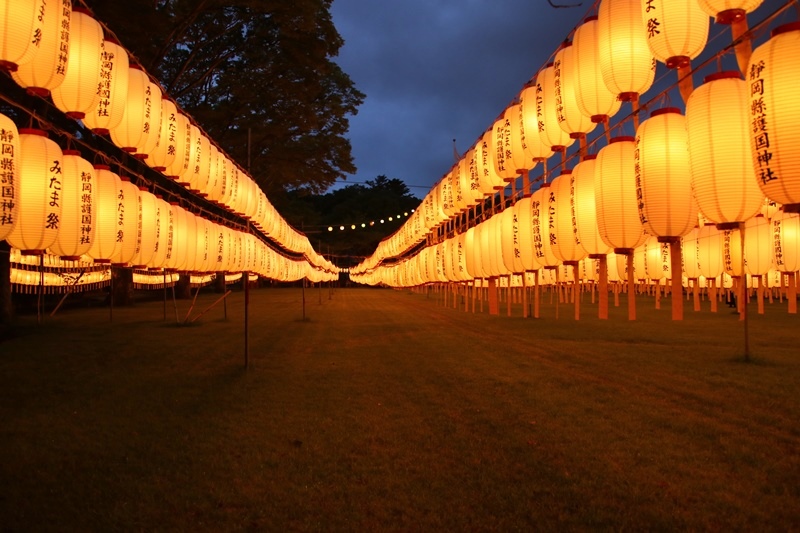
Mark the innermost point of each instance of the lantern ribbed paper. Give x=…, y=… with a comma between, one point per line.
x=594, y=99
x=547, y=110
x=676, y=30
x=78, y=187
x=112, y=89
x=163, y=153
x=128, y=229
x=626, y=62
x=541, y=201
x=134, y=131
x=47, y=68
x=615, y=195
x=718, y=129
x=77, y=93
x=9, y=177
x=566, y=244
x=726, y=11
x=501, y=147
x=531, y=140
x=147, y=223
x=569, y=115
x=774, y=79
x=18, y=24
x=786, y=241
x=585, y=209
x=38, y=192
x=667, y=207
x=105, y=243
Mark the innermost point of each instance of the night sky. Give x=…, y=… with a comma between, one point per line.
x=434, y=71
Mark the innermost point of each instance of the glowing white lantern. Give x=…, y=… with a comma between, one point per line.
x=569, y=115
x=105, y=244
x=163, y=234
x=786, y=241
x=183, y=143
x=9, y=175
x=38, y=193
x=710, y=253
x=615, y=196
x=532, y=142
x=128, y=229
x=138, y=132
x=663, y=179
x=718, y=129
x=561, y=213
x=593, y=97
x=541, y=201
x=77, y=93
x=501, y=147
x=509, y=224
x=47, y=68
x=147, y=223
x=726, y=11
x=583, y=206
x=547, y=109
x=773, y=78
x=112, y=89
x=78, y=188
x=676, y=30
x=21, y=29
x=627, y=65
x=163, y=153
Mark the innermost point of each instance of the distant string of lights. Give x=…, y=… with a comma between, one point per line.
x=343, y=227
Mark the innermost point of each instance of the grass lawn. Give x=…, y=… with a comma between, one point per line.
x=386, y=410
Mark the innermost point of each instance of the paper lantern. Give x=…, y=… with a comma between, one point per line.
x=21, y=29
x=663, y=178
x=163, y=153
x=775, y=116
x=520, y=156
x=470, y=180
x=147, y=222
x=676, y=30
x=46, y=70
x=78, y=188
x=183, y=144
x=509, y=232
x=656, y=259
x=112, y=90
x=133, y=132
x=547, y=110
x=718, y=130
x=592, y=96
x=626, y=62
x=202, y=245
x=9, y=175
x=690, y=245
x=616, y=197
x=105, y=244
x=532, y=142
x=710, y=251
x=38, y=194
x=501, y=147
x=583, y=204
x=727, y=11
x=77, y=93
x=786, y=241
x=564, y=237
x=128, y=229
x=163, y=234
x=525, y=236
x=569, y=115
x=541, y=201
x=758, y=246
x=460, y=258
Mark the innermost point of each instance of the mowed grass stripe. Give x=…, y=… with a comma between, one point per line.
x=387, y=410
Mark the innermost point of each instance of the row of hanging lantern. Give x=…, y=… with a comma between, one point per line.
x=720, y=159
x=53, y=50
x=69, y=208
x=515, y=243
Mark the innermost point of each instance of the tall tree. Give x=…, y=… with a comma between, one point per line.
x=257, y=69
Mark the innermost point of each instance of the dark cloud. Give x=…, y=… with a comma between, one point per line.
x=434, y=71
